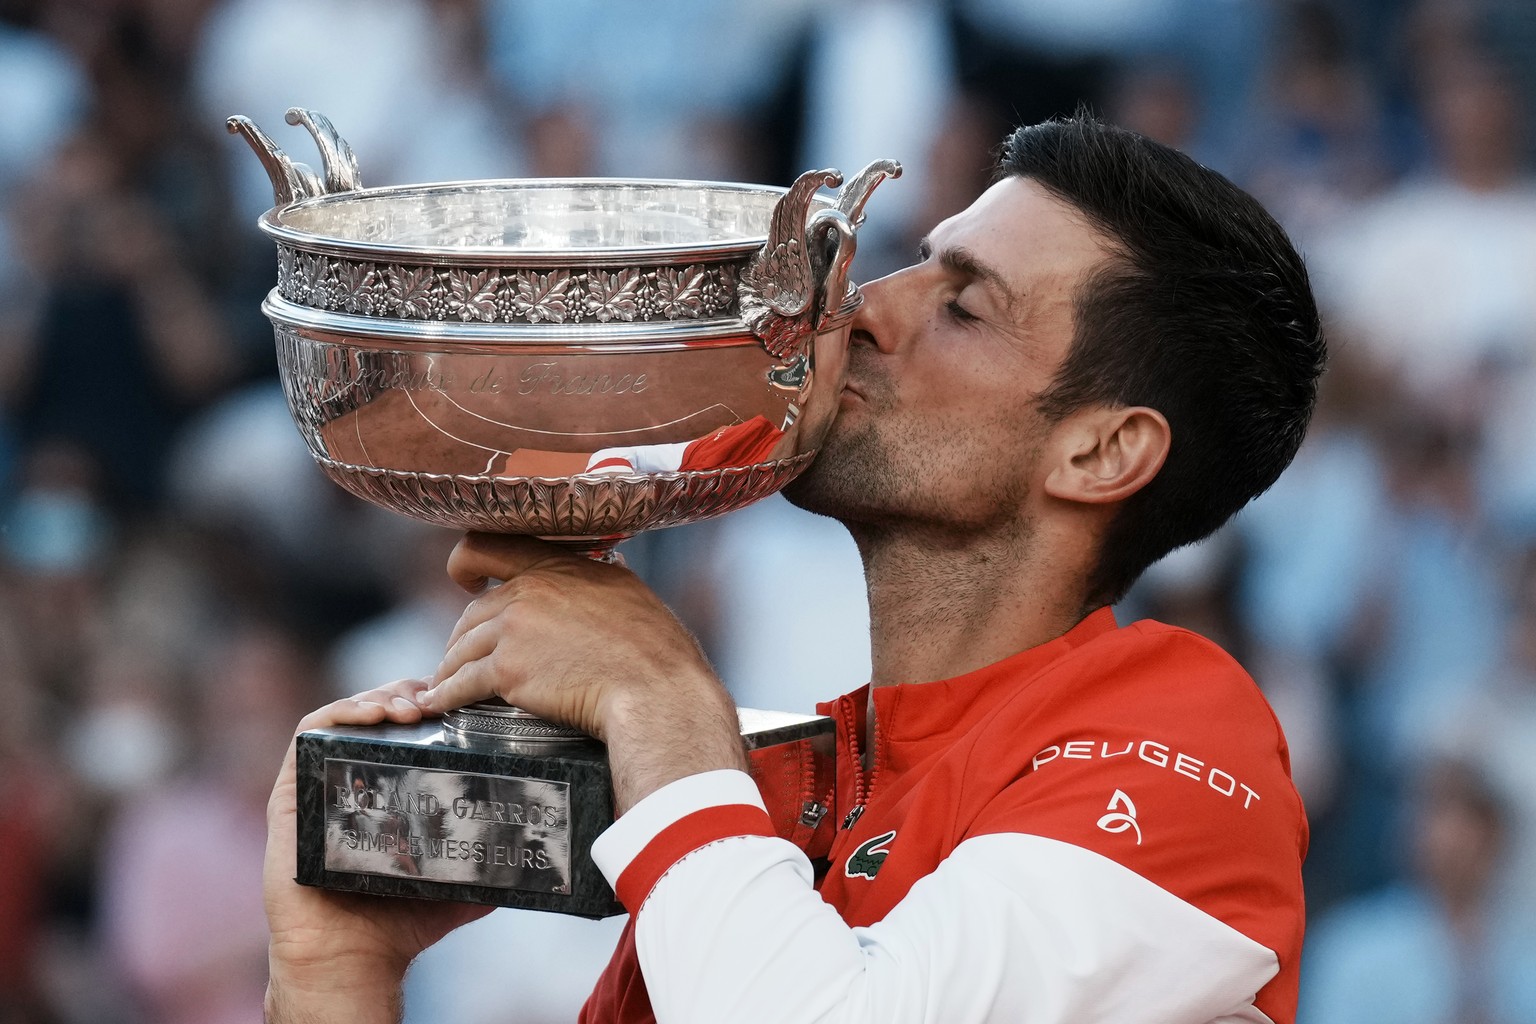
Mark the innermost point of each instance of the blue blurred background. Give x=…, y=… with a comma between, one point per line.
x=178, y=584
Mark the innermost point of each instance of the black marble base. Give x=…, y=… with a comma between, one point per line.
x=406, y=811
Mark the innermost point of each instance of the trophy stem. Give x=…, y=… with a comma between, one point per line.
x=495, y=723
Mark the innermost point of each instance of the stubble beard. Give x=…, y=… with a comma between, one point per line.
x=852, y=478
x=875, y=479
x=880, y=474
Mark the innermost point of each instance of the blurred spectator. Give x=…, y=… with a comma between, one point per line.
x=1511, y=27
x=239, y=466
x=26, y=818
x=1307, y=594
x=57, y=544
x=43, y=94
x=182, y=916
x=127, y=340
x=1436, y=599
x=1432, y=281
x=1494, y=727
x=1158, y=100
x=1317, y=149
x=1035, y=60
x=386, y=74
x=1310, y=541
x=125, y=734
x=1437, y=948
x=671, y=88
x=1506, y=473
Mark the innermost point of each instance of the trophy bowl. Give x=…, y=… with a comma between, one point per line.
x=577, y=360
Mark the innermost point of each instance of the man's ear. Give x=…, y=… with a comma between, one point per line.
x=1106, y=455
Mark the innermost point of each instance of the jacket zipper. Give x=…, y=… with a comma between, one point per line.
x=864, y=782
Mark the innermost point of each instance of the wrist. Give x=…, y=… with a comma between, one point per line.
x=697, y=706
x=656, y=739
x=354, y=989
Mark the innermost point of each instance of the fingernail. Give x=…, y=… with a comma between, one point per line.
x=425, y=697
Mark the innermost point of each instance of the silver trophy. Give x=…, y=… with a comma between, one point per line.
x=572, y=359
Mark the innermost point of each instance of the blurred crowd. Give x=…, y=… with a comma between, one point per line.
x=178, y=584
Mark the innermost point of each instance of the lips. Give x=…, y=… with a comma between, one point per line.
x=866, y=378
x=851, y=386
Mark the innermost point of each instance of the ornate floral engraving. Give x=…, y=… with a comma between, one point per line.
x=285, y=285
x=314, y=275
x=647, y=306
x=354, y=282
x=589, y=505
x=410, y=291
x=505, y=295
x=472, y=295
x=542, y=296
x=679, y=291
x=611, y=296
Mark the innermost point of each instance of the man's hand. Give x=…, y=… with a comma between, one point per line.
x=586, y=644
x=338, y=956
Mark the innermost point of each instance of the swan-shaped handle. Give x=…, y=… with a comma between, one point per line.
x=291, y=180
x=800, y=276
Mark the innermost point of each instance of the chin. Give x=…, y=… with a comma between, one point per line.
x=849, y=477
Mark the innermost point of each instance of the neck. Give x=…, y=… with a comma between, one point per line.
x=941, y=606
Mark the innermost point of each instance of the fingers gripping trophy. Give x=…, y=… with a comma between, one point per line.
x=571, y=359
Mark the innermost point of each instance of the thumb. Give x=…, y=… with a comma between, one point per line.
x=481, y=557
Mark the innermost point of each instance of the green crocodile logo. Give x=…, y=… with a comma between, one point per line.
x=866, y=860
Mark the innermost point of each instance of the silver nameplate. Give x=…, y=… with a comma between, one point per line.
x=447, y=826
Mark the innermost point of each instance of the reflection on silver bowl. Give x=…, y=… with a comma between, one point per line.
x=574, y=359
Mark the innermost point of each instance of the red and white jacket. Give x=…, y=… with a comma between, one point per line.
x=1101, y=828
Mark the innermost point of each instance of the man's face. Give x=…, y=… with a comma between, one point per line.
x=938, y=423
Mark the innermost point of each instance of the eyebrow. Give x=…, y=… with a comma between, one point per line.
x=960, y=260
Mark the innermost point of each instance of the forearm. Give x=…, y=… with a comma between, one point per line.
x=653, y=742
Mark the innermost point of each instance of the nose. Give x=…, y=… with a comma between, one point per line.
x=879, y=319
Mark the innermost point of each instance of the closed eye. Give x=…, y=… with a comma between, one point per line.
x=959, y=312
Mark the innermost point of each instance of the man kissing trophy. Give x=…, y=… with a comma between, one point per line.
x=576, y=360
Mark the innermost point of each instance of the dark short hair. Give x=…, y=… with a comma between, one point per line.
x=1204, y=313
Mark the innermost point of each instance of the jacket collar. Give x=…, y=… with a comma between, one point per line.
x=912, y=718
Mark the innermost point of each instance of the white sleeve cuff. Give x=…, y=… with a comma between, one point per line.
x=622, y=841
